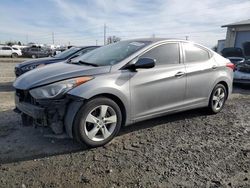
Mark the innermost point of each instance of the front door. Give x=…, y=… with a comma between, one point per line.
x=161, y=88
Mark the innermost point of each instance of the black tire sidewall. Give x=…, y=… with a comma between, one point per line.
x=211, y=107
x=14, y=55
x=78, y=127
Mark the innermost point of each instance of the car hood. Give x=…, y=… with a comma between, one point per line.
x=56, y=72
x=46, y=60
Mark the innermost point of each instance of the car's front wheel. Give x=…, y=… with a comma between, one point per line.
x=97, y=122
x=217, y=98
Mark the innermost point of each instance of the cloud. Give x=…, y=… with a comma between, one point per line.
x=81, y=22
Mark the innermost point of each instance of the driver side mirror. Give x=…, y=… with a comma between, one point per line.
x=144, y=63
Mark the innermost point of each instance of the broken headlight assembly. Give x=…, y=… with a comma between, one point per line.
x=57, y=89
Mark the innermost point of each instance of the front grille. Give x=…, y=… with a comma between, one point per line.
x=24, y=96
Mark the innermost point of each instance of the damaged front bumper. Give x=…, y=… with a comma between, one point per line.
x=56, y=114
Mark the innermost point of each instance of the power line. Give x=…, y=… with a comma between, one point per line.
x=53, y=39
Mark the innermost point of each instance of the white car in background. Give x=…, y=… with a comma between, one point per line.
x=18, y=51
x=8, y=51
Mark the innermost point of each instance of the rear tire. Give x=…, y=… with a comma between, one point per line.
x=14, y=55
x=33, y=56
x=217, y=99
x=97, y=122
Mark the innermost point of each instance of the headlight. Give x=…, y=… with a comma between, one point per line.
x=58, y=89
x=29, y=67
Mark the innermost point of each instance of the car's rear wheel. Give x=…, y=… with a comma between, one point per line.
x=217, y=98
x=33, y=56
x=14, y=55
x=97, y=122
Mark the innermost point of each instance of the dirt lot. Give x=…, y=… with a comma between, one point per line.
x=189, y=149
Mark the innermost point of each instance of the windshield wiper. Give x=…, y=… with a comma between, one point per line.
x=85, y=63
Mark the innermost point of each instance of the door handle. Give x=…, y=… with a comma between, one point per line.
x=179, y=74
x=214, y=67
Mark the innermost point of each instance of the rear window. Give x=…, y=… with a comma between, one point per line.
x=194, y=53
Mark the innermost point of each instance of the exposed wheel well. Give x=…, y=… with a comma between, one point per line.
x=118, y=101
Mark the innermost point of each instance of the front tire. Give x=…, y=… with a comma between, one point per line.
x=217, y=99
x=97, y=122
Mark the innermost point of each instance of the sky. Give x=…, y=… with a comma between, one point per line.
x=81, y=22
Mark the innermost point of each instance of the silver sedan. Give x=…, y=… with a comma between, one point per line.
x=92, y=96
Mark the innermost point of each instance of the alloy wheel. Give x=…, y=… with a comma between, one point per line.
x=100, y=123
x=218, y=98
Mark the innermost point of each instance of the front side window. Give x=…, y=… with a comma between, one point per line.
x=194, y=53
x=164, y=54
x=67, y=52
x=85, y=51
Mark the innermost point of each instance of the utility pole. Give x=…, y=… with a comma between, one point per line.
x=53, y=39
x=96, y=42
x=104, y=34
x=27, y=39
x=186, y=37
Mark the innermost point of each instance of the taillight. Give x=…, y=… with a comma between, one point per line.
x=231, y=66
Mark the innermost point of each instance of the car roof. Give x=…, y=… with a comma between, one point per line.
x=85, y=46
x=153, y=39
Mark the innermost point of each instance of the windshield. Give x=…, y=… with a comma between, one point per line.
x=67, y=53
x=112, y=53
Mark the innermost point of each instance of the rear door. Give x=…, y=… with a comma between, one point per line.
x=161, y=88
x=201, y=71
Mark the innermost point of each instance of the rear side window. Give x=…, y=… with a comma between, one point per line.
x=164, y=54
x=194, y=53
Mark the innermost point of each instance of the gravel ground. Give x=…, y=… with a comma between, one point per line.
x=189, y=149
